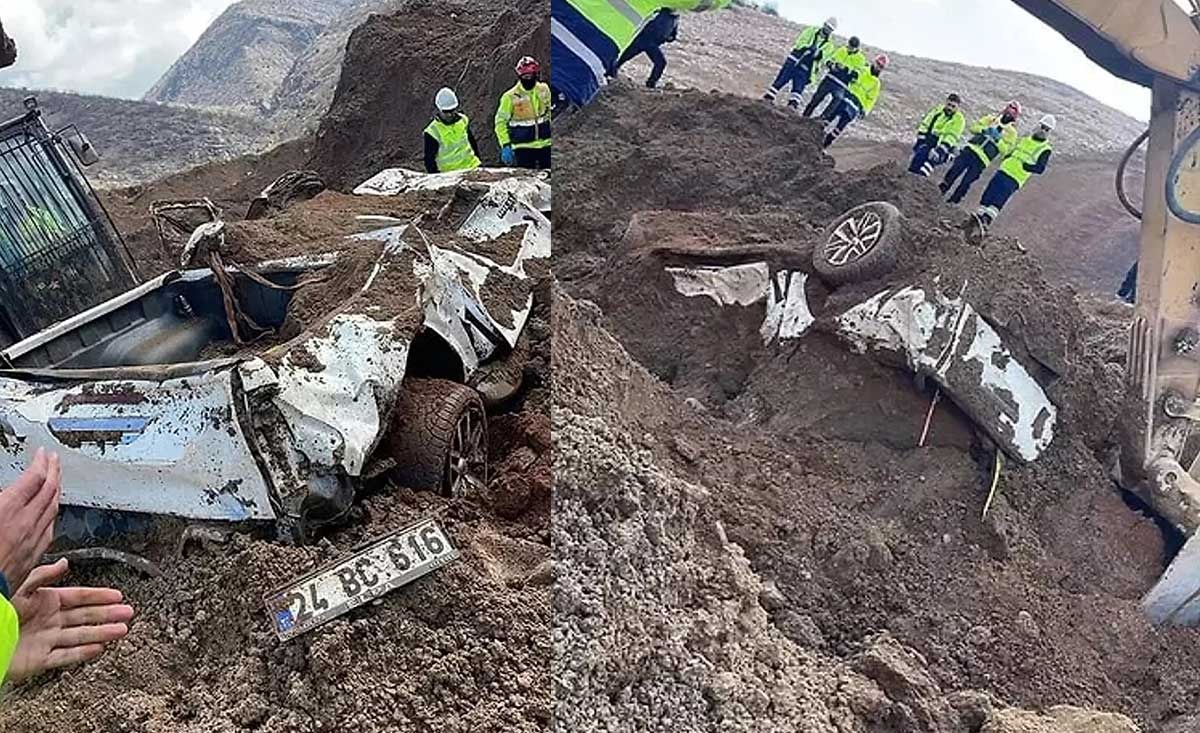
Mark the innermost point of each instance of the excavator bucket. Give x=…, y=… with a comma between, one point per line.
x=1175, y=599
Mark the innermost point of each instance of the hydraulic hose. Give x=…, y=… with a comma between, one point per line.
x=1173, y=203
x=1121, y=193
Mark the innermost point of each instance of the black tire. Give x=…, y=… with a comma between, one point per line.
x=862, y=244
x=432, y=419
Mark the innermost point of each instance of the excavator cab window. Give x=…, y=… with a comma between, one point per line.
x=59, y=252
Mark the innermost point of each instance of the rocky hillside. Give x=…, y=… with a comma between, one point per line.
x=754, y=43
x=239, y=62
x=139, y=141
x=275, y=60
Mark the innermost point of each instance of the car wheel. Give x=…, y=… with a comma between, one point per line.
x=861, y=244
x=439, y=438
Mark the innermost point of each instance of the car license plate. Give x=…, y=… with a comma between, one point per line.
x=385, y=564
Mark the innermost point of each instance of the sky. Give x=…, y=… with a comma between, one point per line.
x=116, y=48
x=996, y=33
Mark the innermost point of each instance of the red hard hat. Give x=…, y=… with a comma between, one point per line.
x=1014, y=109
x=882, y=60
x=527, y=65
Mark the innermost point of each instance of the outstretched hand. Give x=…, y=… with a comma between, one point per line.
x=28, y=508
x=61, y=627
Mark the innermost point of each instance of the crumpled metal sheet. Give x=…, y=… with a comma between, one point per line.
x=394, y=181
x=164, y=447
x=946, y=339
x=787, y=312
x=337, y=397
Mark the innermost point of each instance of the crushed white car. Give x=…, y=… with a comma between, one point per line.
x=143, y=424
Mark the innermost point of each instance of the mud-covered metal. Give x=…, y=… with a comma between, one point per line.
x=783, y=293
x=164, y=447
x=946, y=339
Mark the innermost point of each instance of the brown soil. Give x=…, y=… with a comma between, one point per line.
x=808, y=451
x=471, y=46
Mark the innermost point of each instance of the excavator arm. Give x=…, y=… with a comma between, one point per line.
x=1156, y=43
x=1136, y=40
x=8, y=49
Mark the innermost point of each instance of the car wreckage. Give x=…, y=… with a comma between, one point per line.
x=111, y=371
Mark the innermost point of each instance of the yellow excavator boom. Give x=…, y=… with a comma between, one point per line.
x=1136, y=40
x=1156, y=43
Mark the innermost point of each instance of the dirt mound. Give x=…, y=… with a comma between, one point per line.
x=860, y=531
x=661, y=621
x=230, y=185
x=396, y=63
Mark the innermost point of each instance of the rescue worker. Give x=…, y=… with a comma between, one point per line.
x=523, y=119
x=43, y=627
x=858, y=102
x=1028, y=158
x=588, y=36
x=449, y=143
x=992, y=136
x=799, y=69
x=937, y=136
x=663, y=28
x=843, y=67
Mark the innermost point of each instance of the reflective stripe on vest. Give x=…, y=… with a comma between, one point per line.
x=529, y=125
x=1027, y=152
x=454, y=145
x=985, y=148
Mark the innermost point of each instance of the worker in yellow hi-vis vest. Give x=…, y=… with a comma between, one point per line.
x=449, y=144
x=523, y=119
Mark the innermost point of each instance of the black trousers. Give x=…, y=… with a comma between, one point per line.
x=969, y=167
x=830, y=89
x=537, y=158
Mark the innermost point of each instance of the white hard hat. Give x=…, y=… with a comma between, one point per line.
x=1048, y=122
x=831, y=24
x=446, y=99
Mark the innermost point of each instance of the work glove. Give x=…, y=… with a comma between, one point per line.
x=507, y=156
x=936, y=156
x=994, y=134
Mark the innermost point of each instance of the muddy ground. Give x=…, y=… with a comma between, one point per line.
x=808, y=453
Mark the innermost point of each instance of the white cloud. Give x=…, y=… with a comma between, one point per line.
x=117, y=48
x=996, y=33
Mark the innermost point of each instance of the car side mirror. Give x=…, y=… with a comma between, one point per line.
x=82, y=147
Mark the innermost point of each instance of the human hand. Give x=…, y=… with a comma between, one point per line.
x=61, y=627
x=28, y=508
x=507, y=156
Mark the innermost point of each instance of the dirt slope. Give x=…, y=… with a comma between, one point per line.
x=755, y=43
x=1070, y=216
x=809, y=452
x=1071, y=213
x=138, y=141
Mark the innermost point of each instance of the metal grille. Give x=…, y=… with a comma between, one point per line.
x=58, y=253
